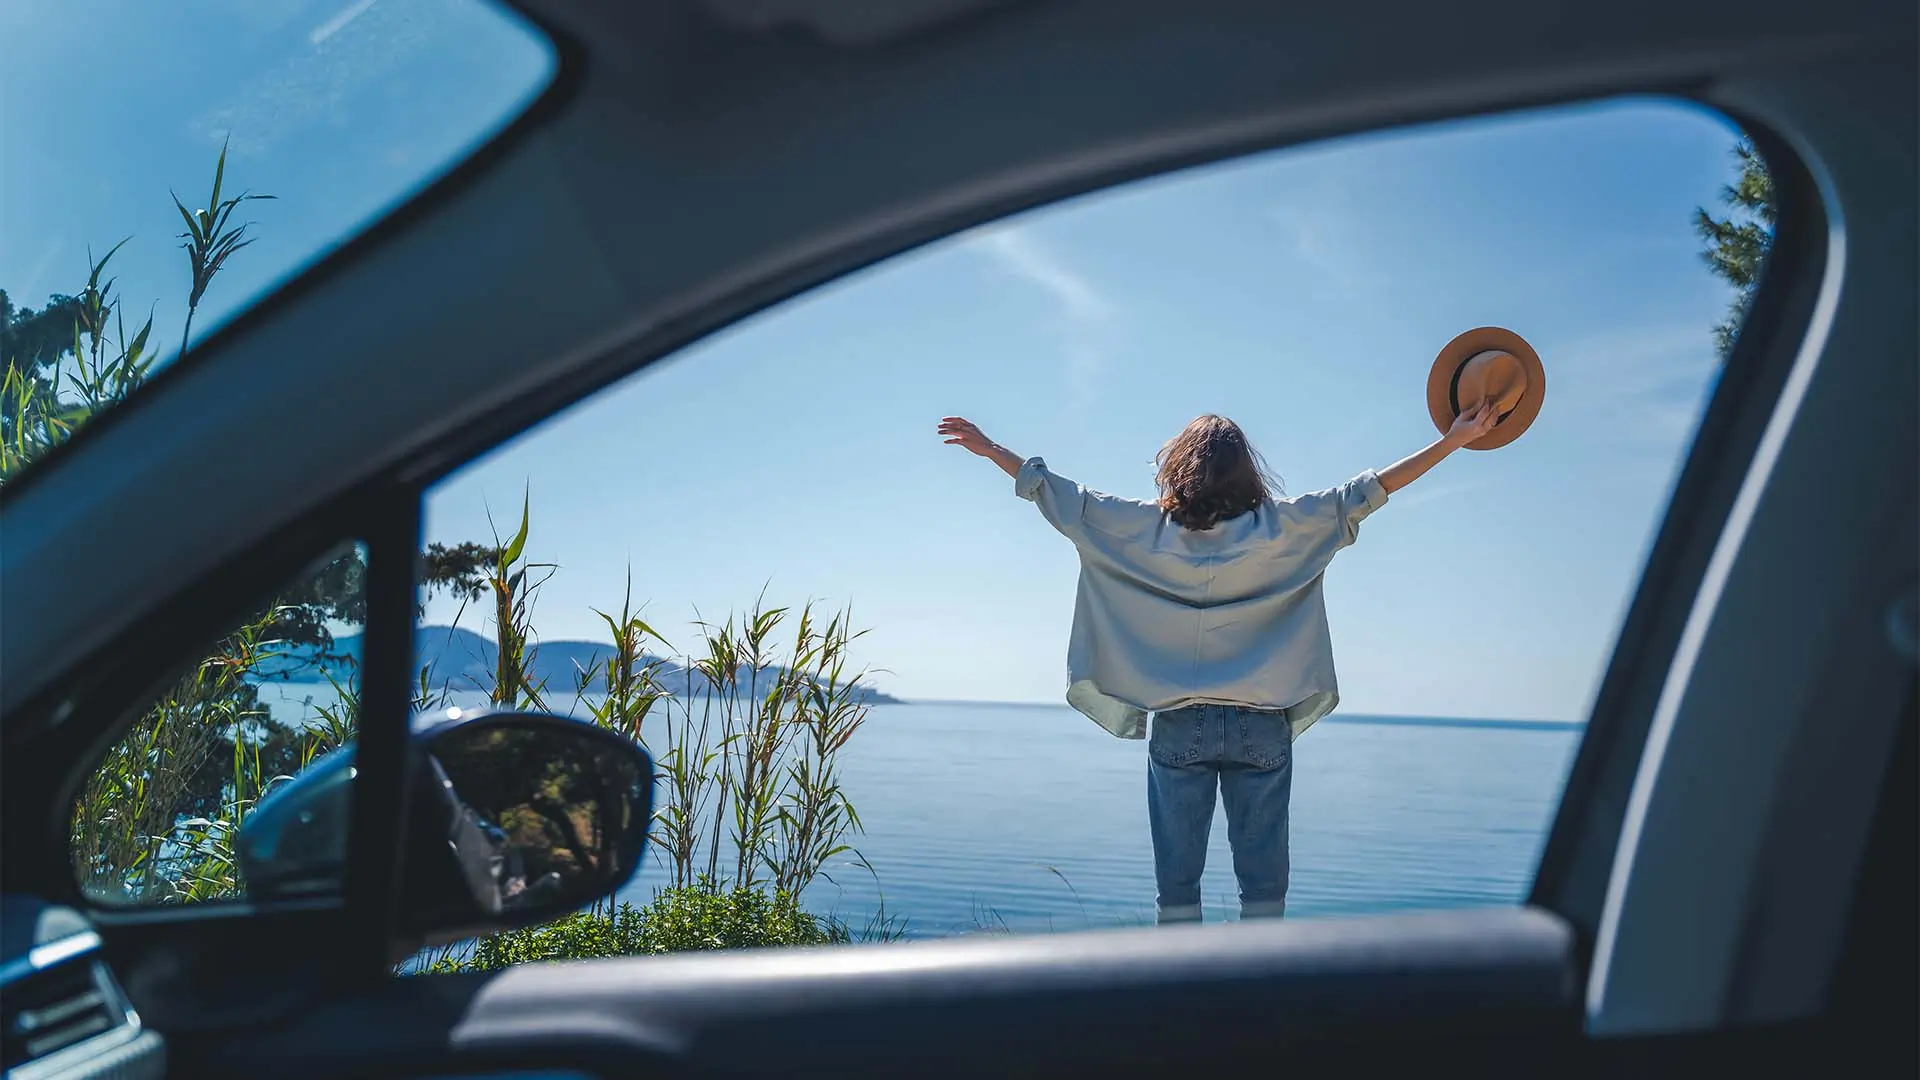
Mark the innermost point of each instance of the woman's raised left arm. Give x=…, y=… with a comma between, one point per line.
x=1467, y=427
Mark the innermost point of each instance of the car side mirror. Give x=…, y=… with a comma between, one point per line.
x=514, y=819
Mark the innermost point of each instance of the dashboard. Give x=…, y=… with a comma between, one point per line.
x=65, y=1015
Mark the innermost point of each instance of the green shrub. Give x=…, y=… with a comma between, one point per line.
x=700, y=917
x=704, y=917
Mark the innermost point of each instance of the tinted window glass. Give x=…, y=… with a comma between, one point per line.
x=281, y=128
x=168, y=815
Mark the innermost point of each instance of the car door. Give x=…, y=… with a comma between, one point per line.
x=1723, y=878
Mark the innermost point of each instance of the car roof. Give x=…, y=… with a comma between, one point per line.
x=700, y=159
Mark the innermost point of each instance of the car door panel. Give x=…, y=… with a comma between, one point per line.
x=1476, y=984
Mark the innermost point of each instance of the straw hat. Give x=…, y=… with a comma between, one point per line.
x=1487, y=363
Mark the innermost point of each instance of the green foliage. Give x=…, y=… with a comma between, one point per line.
x=37, y=338
x=1738, y=244
x=156, y=821
x=631, y=676
x=43, y=404
x=751, y=749
x=512, y=619
x=701, y=917
x=335, y=592
x=748, y=747
x=459, y=569
x=210, y=240
x=73, y=359
x=748, y=742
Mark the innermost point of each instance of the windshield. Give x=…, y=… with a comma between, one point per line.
x=178, y=162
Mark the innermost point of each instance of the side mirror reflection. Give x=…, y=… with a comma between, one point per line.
x=526, y=817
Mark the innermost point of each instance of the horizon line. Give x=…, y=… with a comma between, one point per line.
x=1380, y=719
x=1350, y=718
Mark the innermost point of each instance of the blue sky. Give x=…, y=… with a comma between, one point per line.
x=1303, y=292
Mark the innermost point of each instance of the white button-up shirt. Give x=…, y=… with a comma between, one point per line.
x=1168, y=616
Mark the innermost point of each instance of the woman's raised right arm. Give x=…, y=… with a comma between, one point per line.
x=964, y=433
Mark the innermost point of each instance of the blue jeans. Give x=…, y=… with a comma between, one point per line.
x=1248, y=755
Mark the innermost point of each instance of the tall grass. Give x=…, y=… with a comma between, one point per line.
x=210, y=240
x=751, y=748
x=41, y=406
x=44, y=400
x=746, y=733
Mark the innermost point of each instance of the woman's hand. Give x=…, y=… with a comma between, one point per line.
x=1474, y=423
x=961, y=432
x=1467, y=427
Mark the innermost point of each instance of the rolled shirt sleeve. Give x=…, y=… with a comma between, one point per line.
x=1061, y=501
x=1340, y=510
x=1360, y=497
x=1033, y=473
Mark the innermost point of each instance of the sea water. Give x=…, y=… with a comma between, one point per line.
x=1031, y=818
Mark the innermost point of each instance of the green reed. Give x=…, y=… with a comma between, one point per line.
x=749, y=733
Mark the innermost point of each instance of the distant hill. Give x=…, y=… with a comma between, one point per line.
x=463, y=660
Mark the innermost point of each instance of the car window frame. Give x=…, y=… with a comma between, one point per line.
x=82, y=715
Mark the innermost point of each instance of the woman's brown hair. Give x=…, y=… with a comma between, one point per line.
x=1210, y=473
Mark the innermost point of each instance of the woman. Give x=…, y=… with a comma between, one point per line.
x=1204, y=611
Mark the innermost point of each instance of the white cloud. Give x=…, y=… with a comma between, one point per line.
x=334, y=25
x=1084, y=314
x=1018, y=252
